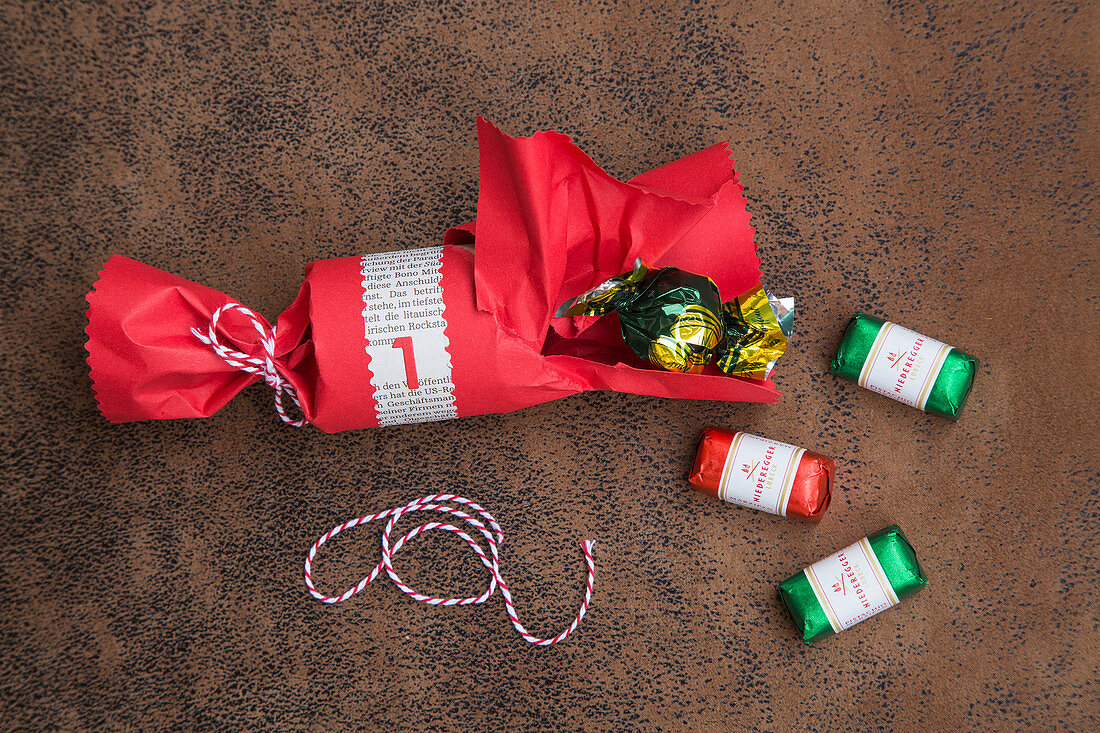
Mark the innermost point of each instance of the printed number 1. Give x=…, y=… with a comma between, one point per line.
x=405, y=343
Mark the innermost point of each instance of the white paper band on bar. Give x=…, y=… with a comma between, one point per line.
x=759, y=473
x=903, y=365
x=404, y=327
x=851, y=586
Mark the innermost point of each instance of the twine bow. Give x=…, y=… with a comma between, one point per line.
x=491, y=533
x=263, y=366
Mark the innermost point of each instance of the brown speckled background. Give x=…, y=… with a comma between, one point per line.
x=935, y=164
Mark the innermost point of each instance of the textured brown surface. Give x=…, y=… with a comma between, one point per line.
x=931, y=164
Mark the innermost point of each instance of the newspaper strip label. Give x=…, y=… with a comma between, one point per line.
x=404, y=329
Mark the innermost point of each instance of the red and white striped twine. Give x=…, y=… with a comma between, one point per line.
x=492, y=534
x=262, y=366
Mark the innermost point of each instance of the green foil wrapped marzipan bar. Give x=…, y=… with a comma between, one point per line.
x=904, y=365
x=854, y=584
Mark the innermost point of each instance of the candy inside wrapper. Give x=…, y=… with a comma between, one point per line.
x=676, y=320
x=439, y=332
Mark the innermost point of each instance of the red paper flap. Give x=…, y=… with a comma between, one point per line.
x=145, y=362
x=720, y=245
x=551, y=224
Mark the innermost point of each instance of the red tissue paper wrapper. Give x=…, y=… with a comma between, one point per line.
x=439, y=332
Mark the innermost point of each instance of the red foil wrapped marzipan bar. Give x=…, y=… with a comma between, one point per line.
x=465, y=328
x=763, y=474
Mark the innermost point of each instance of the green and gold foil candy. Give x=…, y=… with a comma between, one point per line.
x=607, y=296
x=757, y=328
x=852, y=585
x=904, y=365
x=676, y=320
